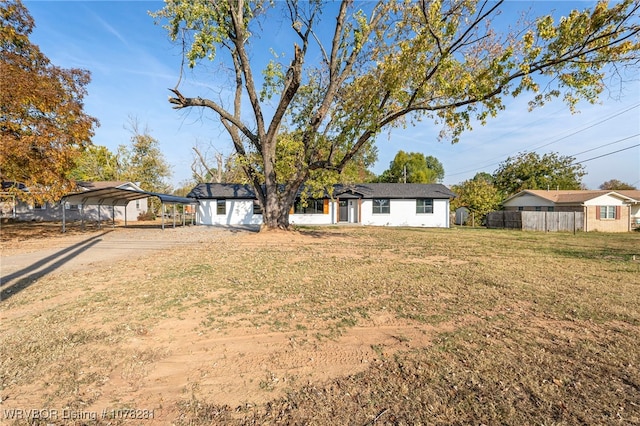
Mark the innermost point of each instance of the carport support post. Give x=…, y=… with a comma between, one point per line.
x=162, y=214
x=113, y=215
x=64, y=219
x=173, y=213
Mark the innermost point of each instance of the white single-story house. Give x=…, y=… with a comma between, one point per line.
x=603, y=210
x=23, y=211
x=377, y=204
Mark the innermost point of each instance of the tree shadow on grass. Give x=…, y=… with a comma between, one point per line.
x=15, y=282
x=608, y=254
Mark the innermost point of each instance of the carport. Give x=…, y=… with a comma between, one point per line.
x=121, y=197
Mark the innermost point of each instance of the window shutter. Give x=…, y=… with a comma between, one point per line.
x=325, y=206
x=598, y=212
x=618, y=212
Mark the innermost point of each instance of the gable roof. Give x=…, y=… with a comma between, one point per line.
x=570, y=196
x=397, y=190
x=368, y=190
x=85, y=185
x=631, y=193
x=222, y=190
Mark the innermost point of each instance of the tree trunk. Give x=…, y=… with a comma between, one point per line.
x=278, y=202
x=278, y=199
x=275, y=214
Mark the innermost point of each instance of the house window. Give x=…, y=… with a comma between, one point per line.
x=520, y=209
x=256, y=208
x=38, y=206
x=138, y=204
x=424, y=205
x=71, y=206
x=381, y=206
x=221, y=207
x=538, y=208
x=550, y=209
x=312, y=207
x=607, y=212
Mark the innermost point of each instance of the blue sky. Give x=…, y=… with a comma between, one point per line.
x=133, y=64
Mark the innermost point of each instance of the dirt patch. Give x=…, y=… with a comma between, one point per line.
x=249, y=366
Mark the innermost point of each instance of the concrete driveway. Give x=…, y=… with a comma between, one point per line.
x=18, y=271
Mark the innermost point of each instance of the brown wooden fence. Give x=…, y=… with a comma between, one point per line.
x=536, y=221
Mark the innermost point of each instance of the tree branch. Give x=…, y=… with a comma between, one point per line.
x=181, y=101
x=202, y=162
x=336, y=77
x=291, y=86
x=243, y=61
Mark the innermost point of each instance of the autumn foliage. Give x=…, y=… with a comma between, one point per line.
x=43, y=126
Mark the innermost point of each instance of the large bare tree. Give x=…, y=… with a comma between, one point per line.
x=382, y=64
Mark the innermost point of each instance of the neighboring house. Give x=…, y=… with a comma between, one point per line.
x=603, y=210
x=378, y=204
x=19, y=210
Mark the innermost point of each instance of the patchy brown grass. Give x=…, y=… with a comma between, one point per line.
x=339, y=325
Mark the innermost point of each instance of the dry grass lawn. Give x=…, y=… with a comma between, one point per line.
x=334, y=325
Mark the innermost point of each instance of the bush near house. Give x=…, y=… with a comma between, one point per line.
x=148, y=215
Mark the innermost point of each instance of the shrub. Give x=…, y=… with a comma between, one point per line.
x=148, y=215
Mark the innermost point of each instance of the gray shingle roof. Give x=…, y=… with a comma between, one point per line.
x=397, y=190
x=222, y=190
x=365, y=190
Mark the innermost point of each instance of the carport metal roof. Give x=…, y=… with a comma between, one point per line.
x=120, y=197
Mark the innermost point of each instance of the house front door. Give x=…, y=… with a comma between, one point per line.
x=343, y=212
